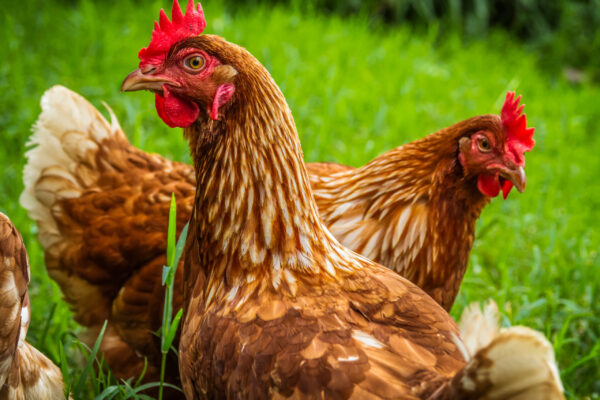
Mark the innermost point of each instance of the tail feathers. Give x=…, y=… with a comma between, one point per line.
x=515, y=363
x=62, y=163
x=478, y=327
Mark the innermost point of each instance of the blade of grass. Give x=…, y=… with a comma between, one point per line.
x=139, y=381
x=173, y=328
x=108, y=393
x=169, y=324
x=64, y=368
x=171, y=232
x=88, y=365
x=47, y=325
x=180, y=245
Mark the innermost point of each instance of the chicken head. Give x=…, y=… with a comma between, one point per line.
x=495, y=154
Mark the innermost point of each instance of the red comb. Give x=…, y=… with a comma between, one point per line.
x=519, y=138
x=167, y=33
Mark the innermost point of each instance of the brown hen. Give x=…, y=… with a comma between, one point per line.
x=102, y=210
x=414, y=208
x=274, y=306
x=25, y=373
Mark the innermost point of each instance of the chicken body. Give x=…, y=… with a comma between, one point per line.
x=25, y=373
x=414, y=208
x=411, y=209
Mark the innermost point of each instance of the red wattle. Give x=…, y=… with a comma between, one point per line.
x=175, y=111
x=159, y=102
x=488, y=185
x=506, y=186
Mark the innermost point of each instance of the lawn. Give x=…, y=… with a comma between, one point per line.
x=355, y=92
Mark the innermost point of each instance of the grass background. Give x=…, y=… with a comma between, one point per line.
x=356, y=91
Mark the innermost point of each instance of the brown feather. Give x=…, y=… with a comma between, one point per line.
x=25, y=373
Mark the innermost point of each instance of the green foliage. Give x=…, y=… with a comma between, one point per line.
x=95, y=379
x=576, y=41
x=565, y=31
x=77, y=390
x=355, y=93
x=527, y=17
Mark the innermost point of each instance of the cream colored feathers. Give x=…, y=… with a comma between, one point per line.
x=515, y=363
x=62, y=163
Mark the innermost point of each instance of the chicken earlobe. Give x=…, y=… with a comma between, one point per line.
x=25, y=373
x=222, y=96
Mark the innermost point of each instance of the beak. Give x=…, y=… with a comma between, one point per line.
x=516, y=176
x=137, y=80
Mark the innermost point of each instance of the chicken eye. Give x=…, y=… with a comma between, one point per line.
x=484, y=145
x=194, y=62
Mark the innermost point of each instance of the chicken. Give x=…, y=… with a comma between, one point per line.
x=102, y=209
x=274, y=305
x=414, y=208
x=25, y=373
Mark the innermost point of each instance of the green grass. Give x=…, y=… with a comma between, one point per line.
x=355, y=93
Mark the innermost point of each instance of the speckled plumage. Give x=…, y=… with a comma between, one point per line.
x=25, y=373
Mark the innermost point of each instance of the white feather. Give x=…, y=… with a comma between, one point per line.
x=66, y=136
x=509, y=364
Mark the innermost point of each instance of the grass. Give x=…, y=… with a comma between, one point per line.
x=355, y=93
x=170, y=324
